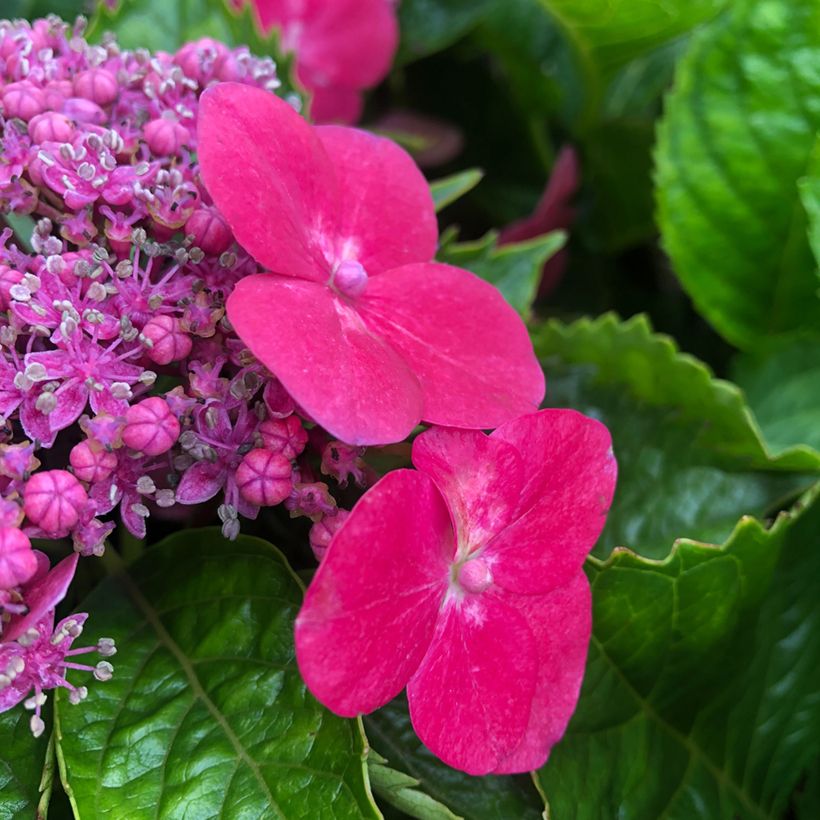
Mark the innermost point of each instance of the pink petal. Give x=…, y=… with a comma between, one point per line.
x=561, y=623
x=470, y=698
x=387, y=216
x=572, y=471
x=347, y=378
x=72, y=397
x=268, y=175
x=469, y=349
x=479, y=477
x=336, y=105
x=371, y=609
x=200, y=482
x=43, y=595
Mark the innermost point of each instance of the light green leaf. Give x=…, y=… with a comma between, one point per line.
x=515, y=269
x=649, y=366
x=207, y=715
x=474, y=798
x=448, y=190
x=739, y=131
x=701, y=696
x=22, y=763
x=809, y=188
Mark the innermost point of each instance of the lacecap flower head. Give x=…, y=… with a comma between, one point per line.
x=366, y=334
x=463, y=581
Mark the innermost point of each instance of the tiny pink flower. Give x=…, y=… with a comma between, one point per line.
x=91, y=462
x=322, y=532
x=352, y=290
x=209, y=230
x=463, y=581
x=286, y=436
x=53, y=500
x=169, y=342
x=166, y=135
x=24, y=100
x=50, y=127
x=98, y=85
x=342, y=461
x=150, y=427
x=18, y=562
x=264, y=478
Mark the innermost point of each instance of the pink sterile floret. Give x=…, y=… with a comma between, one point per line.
x=264, y=478
x=391, y=337
x=91, y=462
x=463, y=581
x=150, y=427
x=18, y=561
x=168, y=340
x=53, y=500
x=286, y=436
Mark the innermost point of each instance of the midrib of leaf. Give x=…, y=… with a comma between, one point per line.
x=114, y=566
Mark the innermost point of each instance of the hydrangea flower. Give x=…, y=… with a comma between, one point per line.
x=463, y=581
x=341, y=47
x=366, y=334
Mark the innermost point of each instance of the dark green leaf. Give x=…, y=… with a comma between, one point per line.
x=809, y=188
x=474, y=798
x=739, y=131
x=701, y=697
x=515, y=269
x=22, y=761
x=207, y=715
x=448, y=190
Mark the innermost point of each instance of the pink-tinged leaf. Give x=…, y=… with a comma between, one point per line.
x=269, y=176
x=469, y=349
x=571, y=480
x=347, y=378
x=479, y=477
x=334, y=104
x=561, y=623
x=387, y=215
x=200, y=482
x=43, y=595
x=470, y=698
x=370, y=611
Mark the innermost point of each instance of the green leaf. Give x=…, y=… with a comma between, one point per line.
x=207, y=715
x=515, y=269
x=783, y=390
x=701, y=695
x=448, y=190
x=740, y=129
x=22, y=762
x=809, y=189
x=649, y=366
x=685, y=442
x=474, y=798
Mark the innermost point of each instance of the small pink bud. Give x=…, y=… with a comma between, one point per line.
x=57, y=92
x=322, y=532
x=264, y=478
x=96, y=84
x=18, y=562
x=350, y=278
x=150, y=427
x=24, y=100
x=166, y=135
x=91, y=462
x=474, y=575
x=53, y=501
x=50, y=127
x=170, y=343
x=82, y=110
x=285, y=436
x=209, y=230
x=8, y=278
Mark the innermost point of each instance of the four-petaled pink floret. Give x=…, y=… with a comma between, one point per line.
x=53, y=500
x=446, y=578
x=264, y=478
x=18, y=561
x=150, y=427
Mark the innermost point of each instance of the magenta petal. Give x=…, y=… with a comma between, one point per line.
x=470, y=698
x=561, y=623
x=347, y=378
x=479, y=477
x=572, y=471
x=338, y=105
x=387, y=216
x=269, y=176
x=469, y=349
x=43, y=595
x=200, y=482
x=370, y=611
